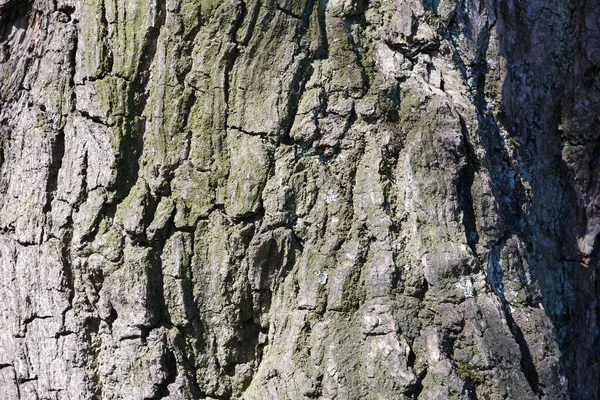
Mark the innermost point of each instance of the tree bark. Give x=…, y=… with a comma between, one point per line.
x=285, y=199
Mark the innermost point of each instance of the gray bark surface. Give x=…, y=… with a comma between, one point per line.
x=285, y=199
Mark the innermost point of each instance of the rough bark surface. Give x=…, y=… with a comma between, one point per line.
x=285, y=199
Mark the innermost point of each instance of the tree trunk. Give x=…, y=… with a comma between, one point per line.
x=285, y=199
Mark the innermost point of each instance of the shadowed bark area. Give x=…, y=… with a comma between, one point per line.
x=284, y=199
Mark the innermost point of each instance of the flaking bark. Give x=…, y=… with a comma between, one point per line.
x=284, y=199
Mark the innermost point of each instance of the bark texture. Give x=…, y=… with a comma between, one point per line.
x=286, y=199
